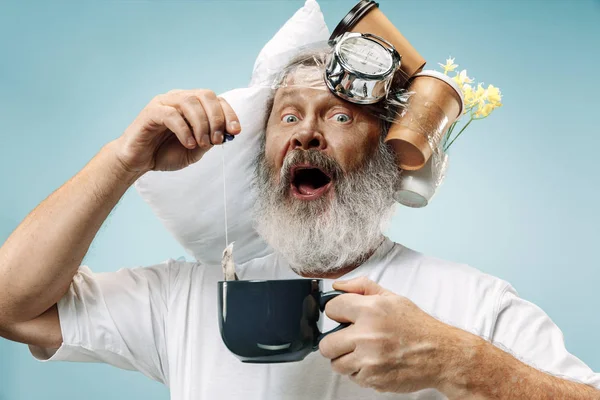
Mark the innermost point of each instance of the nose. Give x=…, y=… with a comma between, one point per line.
x=308, y=138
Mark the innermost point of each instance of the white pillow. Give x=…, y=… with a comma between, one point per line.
x=189, y=202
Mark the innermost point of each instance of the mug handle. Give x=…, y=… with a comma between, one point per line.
x=323, y=300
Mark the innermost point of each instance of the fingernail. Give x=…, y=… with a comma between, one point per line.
x=219, y=136
x=234, y=125
x=191, y=142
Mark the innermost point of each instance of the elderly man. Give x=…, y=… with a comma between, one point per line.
x=324, y=178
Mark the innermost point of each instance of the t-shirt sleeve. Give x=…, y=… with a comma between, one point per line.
x=118, y=318
x=525, y=331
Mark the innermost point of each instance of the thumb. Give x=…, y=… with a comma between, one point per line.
x=361, y=285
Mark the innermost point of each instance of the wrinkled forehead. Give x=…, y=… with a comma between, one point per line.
x=306, y=83
x=304, y=76
x=302, y=96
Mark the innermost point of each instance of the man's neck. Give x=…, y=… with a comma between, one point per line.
x=333, y=274
x=345, y=269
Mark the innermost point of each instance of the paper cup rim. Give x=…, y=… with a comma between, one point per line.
x=408, y=198
x=437, y=74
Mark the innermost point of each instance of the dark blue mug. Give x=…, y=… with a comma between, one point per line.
x=273, y=321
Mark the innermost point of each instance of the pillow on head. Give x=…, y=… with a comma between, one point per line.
x=189, y=202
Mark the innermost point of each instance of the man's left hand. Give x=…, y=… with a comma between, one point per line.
x=391, y=344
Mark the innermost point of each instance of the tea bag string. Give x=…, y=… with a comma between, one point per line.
x=224, y=193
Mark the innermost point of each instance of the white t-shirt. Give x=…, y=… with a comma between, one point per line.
x=162, y=321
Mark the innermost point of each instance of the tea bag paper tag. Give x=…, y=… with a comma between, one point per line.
x=228, y=264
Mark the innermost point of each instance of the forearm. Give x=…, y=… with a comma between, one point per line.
x=40, y=258
x=486, y=372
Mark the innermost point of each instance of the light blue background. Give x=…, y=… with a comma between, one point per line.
x=520, y=201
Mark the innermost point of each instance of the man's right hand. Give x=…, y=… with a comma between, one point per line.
x=175, y=130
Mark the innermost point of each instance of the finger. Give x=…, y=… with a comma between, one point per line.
x=194, y=113
x=361, y=285
x=348, y=364
x=216, y=119
x=338, y=343
x=345, y=308
x=174, y=121
x=196, y=154
x=232, y=122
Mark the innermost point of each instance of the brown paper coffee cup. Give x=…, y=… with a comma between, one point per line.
x=435, y=104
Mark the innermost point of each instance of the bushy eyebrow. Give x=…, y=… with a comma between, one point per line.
x=291, y=95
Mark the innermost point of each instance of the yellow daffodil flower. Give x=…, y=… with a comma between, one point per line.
x=484, y=111
x=456, y=79
x=449, y=66
x=493, y=95
x=480, y=92
x=480, y=95
x=462, y=78
x=469, y=97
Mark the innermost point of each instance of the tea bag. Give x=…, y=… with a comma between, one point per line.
x=227, y=261
x=228, y=264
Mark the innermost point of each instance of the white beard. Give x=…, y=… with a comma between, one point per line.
x=332, y=232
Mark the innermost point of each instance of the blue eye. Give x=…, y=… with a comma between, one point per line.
x=290, y=118
x=341, y=117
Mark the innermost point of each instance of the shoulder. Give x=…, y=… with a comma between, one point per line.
x=453, y=292
x=444, y=272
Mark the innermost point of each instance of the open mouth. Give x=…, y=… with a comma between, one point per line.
x=308, y=182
